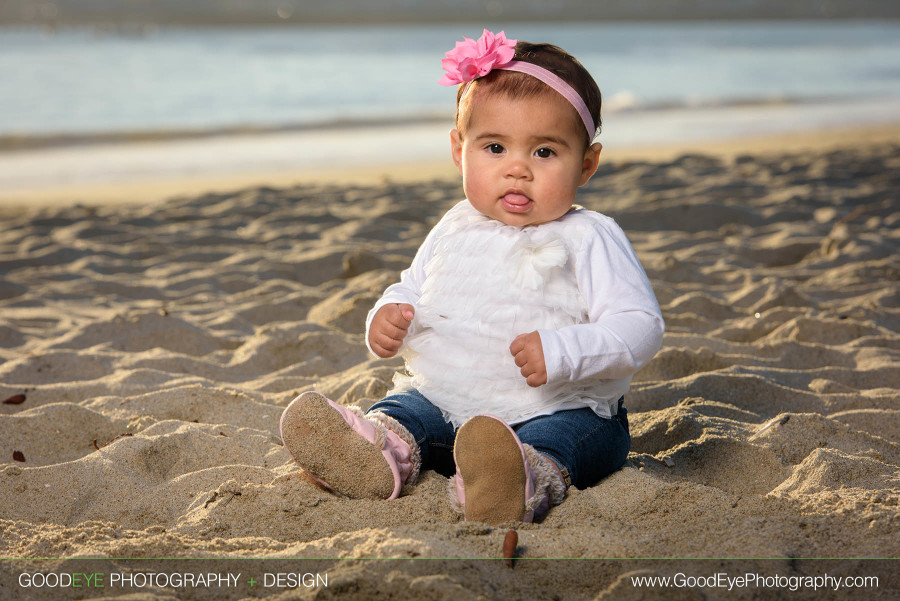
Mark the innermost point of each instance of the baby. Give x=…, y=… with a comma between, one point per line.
x=522, y=318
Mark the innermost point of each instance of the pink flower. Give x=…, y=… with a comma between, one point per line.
x=471, y=59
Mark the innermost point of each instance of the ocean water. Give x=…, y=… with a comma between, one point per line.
x=84, y=81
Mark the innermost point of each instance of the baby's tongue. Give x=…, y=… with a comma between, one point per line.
x=516, y=199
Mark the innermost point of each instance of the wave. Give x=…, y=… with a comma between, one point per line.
x=622, y=103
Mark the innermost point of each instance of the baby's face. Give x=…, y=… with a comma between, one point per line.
x=522, y=160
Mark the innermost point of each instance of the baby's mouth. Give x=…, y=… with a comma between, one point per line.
x=516, y=202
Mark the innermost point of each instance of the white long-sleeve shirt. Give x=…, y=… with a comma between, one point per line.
x=477, y=283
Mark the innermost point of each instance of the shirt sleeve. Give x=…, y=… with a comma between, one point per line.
x=625, y=327
x=409, y=288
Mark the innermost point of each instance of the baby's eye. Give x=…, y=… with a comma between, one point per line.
x=494, y=148
x=544, y=153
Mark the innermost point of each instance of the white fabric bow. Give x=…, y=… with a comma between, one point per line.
x=533, y=262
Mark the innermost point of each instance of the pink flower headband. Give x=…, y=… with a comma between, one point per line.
x=472, y=59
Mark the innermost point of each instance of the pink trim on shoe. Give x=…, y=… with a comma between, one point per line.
x=397, y=454
x=401, y=444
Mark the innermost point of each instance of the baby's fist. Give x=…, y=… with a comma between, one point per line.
x=389, y=328
x=529, y=356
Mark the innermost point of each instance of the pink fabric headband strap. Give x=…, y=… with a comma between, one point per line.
x=555, y=82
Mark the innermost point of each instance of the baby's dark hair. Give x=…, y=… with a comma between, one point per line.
x=519, y=85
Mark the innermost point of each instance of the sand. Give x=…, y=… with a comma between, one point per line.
x=156, y=345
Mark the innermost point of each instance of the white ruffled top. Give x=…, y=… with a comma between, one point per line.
x=476, y=284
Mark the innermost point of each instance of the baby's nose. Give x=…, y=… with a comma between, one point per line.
x=517, y=168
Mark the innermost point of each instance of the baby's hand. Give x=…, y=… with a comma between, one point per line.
x=529, y=354
x=389, y=327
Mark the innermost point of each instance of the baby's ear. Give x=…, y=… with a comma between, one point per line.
x=456, y=148
x=591, y=162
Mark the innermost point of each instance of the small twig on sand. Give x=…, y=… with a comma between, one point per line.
x=111, y=441
x=16, y=399
x=509, y=546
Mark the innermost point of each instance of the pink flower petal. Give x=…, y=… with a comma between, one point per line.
x=470, y=59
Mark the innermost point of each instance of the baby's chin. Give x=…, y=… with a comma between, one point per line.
x=519, y=219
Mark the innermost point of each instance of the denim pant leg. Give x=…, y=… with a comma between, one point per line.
x=426, y=423
x=587, y=446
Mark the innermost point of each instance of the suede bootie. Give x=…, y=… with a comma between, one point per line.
x=498, y=478
x=348, y=452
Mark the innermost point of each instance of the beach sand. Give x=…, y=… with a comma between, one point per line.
x=147, y=351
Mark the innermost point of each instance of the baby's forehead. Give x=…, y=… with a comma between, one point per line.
x=541, y=95
x=510, y=85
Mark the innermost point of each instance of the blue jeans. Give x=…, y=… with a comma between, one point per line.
x=585, y=446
